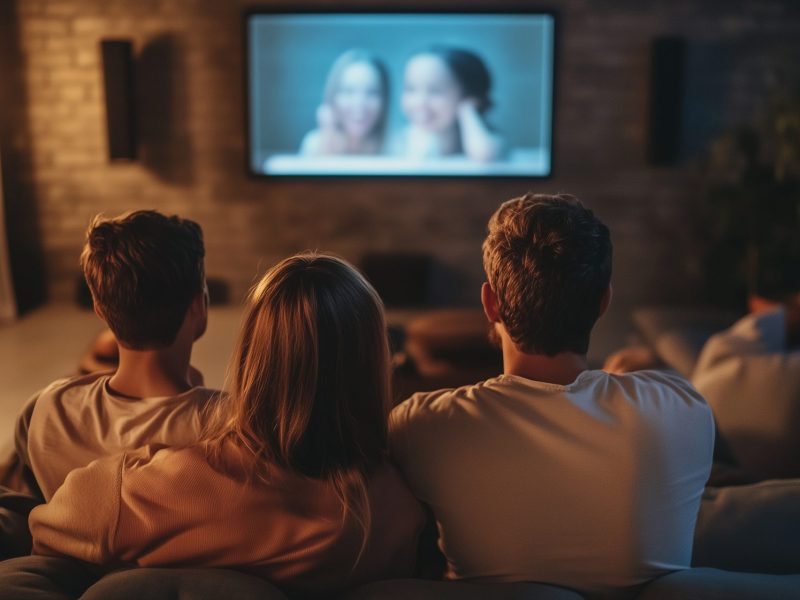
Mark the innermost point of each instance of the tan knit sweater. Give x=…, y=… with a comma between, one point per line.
x=175, y=507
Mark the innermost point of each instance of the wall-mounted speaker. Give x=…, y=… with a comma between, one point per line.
x=118, y=75
x=667, y=85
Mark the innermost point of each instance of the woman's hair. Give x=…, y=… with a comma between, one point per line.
x=354, y=57
x=469, y=71
x=309, y=378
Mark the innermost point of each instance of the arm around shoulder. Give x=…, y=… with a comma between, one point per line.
x=81, y=519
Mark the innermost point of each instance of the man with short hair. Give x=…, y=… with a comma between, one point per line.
x=146, y=276
x=553, y=472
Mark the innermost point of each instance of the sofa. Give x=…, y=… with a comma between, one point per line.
x=40, y=578
x=747, y=540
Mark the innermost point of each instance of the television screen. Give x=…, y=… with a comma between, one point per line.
x=467, y=94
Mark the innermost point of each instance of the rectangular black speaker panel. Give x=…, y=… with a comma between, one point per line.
x=667, y=83
x=120, y=107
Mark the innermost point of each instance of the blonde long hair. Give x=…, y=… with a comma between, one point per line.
x=309, y=378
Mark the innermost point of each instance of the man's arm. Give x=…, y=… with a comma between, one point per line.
x=81, y=518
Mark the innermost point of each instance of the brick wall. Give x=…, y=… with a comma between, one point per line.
x=193, y=157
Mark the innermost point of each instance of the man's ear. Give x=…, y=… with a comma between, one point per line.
x=489, y=301
x=97, y=311
x=605, y=301
x=200, y=302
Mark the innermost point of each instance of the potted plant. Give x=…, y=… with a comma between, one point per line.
x=752, y=203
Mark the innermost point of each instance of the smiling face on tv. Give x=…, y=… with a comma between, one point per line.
x=358, y=100
x=431, y=94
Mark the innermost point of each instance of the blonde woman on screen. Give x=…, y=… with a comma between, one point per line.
x=352, y=116
x=291, y=481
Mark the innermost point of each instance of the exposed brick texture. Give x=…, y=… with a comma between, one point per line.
x=193, y=147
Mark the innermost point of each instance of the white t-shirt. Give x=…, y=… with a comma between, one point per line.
x=594, y=485
x=752, y=381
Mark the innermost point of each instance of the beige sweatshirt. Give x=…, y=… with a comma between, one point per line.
x=175, y=507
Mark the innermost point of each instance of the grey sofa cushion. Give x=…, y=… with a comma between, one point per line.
x=45, y=578
x=15, y=537
x=713, y=584
x=182, y=584
x=751, y=528
x=419, y=589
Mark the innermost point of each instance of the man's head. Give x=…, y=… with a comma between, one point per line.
x=548, y=264
x=145, y=272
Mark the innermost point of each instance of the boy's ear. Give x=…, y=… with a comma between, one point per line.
x=489, y=301
x=198, y=311
x=200, y=302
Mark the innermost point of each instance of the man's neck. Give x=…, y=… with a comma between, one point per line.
x=561, y=369
x=152, y=373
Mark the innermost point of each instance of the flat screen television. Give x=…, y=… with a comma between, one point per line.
x=401, y=93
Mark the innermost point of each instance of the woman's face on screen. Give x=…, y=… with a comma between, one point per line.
x=431, y=95
x=358, y=101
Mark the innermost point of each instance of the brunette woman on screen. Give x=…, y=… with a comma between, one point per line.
x=291, y=481
x=352, y=116
x=445, y=97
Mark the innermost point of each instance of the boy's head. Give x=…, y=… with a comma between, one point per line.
x=144, y=270
x=548, y=263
